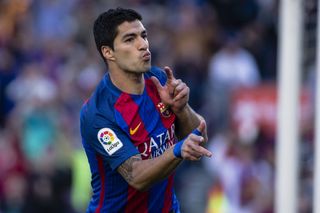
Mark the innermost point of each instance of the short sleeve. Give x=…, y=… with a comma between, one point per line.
x=111, y=142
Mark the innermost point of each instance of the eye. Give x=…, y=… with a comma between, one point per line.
x=128, y=40
x=144, y=36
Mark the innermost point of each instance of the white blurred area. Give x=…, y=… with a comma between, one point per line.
x=226, y=51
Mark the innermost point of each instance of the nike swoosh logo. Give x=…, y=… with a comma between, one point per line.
x=133, y=131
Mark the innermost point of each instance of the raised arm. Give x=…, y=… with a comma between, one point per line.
x=175, y=94
x=141, y=174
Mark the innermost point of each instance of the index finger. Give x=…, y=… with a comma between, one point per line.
x=205, y=152
x=169, y=73
x=201, y=150
x=198, y=148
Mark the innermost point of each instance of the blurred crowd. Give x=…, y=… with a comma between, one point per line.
x=225, y=50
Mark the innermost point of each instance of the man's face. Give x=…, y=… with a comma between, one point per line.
x=131, y=48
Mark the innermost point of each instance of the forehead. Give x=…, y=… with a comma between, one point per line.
x=135, y=27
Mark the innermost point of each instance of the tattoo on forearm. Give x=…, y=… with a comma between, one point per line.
x=126, y=168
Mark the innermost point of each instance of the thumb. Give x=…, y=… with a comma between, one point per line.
x=202, y=126
x=156, y=83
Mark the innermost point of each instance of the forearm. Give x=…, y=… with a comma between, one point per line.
x=141, y=174
x=187, y=120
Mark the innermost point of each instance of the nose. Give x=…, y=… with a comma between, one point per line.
x=143, y=43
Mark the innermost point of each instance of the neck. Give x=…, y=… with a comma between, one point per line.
x=132, y=83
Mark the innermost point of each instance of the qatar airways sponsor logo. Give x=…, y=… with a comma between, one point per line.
x=157, y=144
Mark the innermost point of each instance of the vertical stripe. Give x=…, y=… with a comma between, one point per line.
x=102, y=190
x=153, y=94
x=137, y=201
x=149, y=114
x=129, y=111
x=156, y=196
x=168, y=195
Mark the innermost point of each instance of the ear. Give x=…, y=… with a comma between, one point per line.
x=107, y=53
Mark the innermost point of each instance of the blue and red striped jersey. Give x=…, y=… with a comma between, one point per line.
x=115, y=126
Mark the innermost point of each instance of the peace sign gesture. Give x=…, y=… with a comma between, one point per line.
x=174, y=93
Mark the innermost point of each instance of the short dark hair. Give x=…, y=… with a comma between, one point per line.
x=105, y=27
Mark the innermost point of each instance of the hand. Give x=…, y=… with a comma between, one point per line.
x=191, y=148
x=174, y=93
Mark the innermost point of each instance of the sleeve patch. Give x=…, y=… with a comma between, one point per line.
x=109, y=140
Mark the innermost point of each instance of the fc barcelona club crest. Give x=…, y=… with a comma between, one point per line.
x=164, y=110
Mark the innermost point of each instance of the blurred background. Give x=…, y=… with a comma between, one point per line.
x=225, y=50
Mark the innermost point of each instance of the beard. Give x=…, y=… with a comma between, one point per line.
x=137, y=68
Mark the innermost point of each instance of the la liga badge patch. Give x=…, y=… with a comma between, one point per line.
x=109, y=140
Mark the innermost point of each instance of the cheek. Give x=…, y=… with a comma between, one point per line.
x=125, y=60
x=126, y=57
